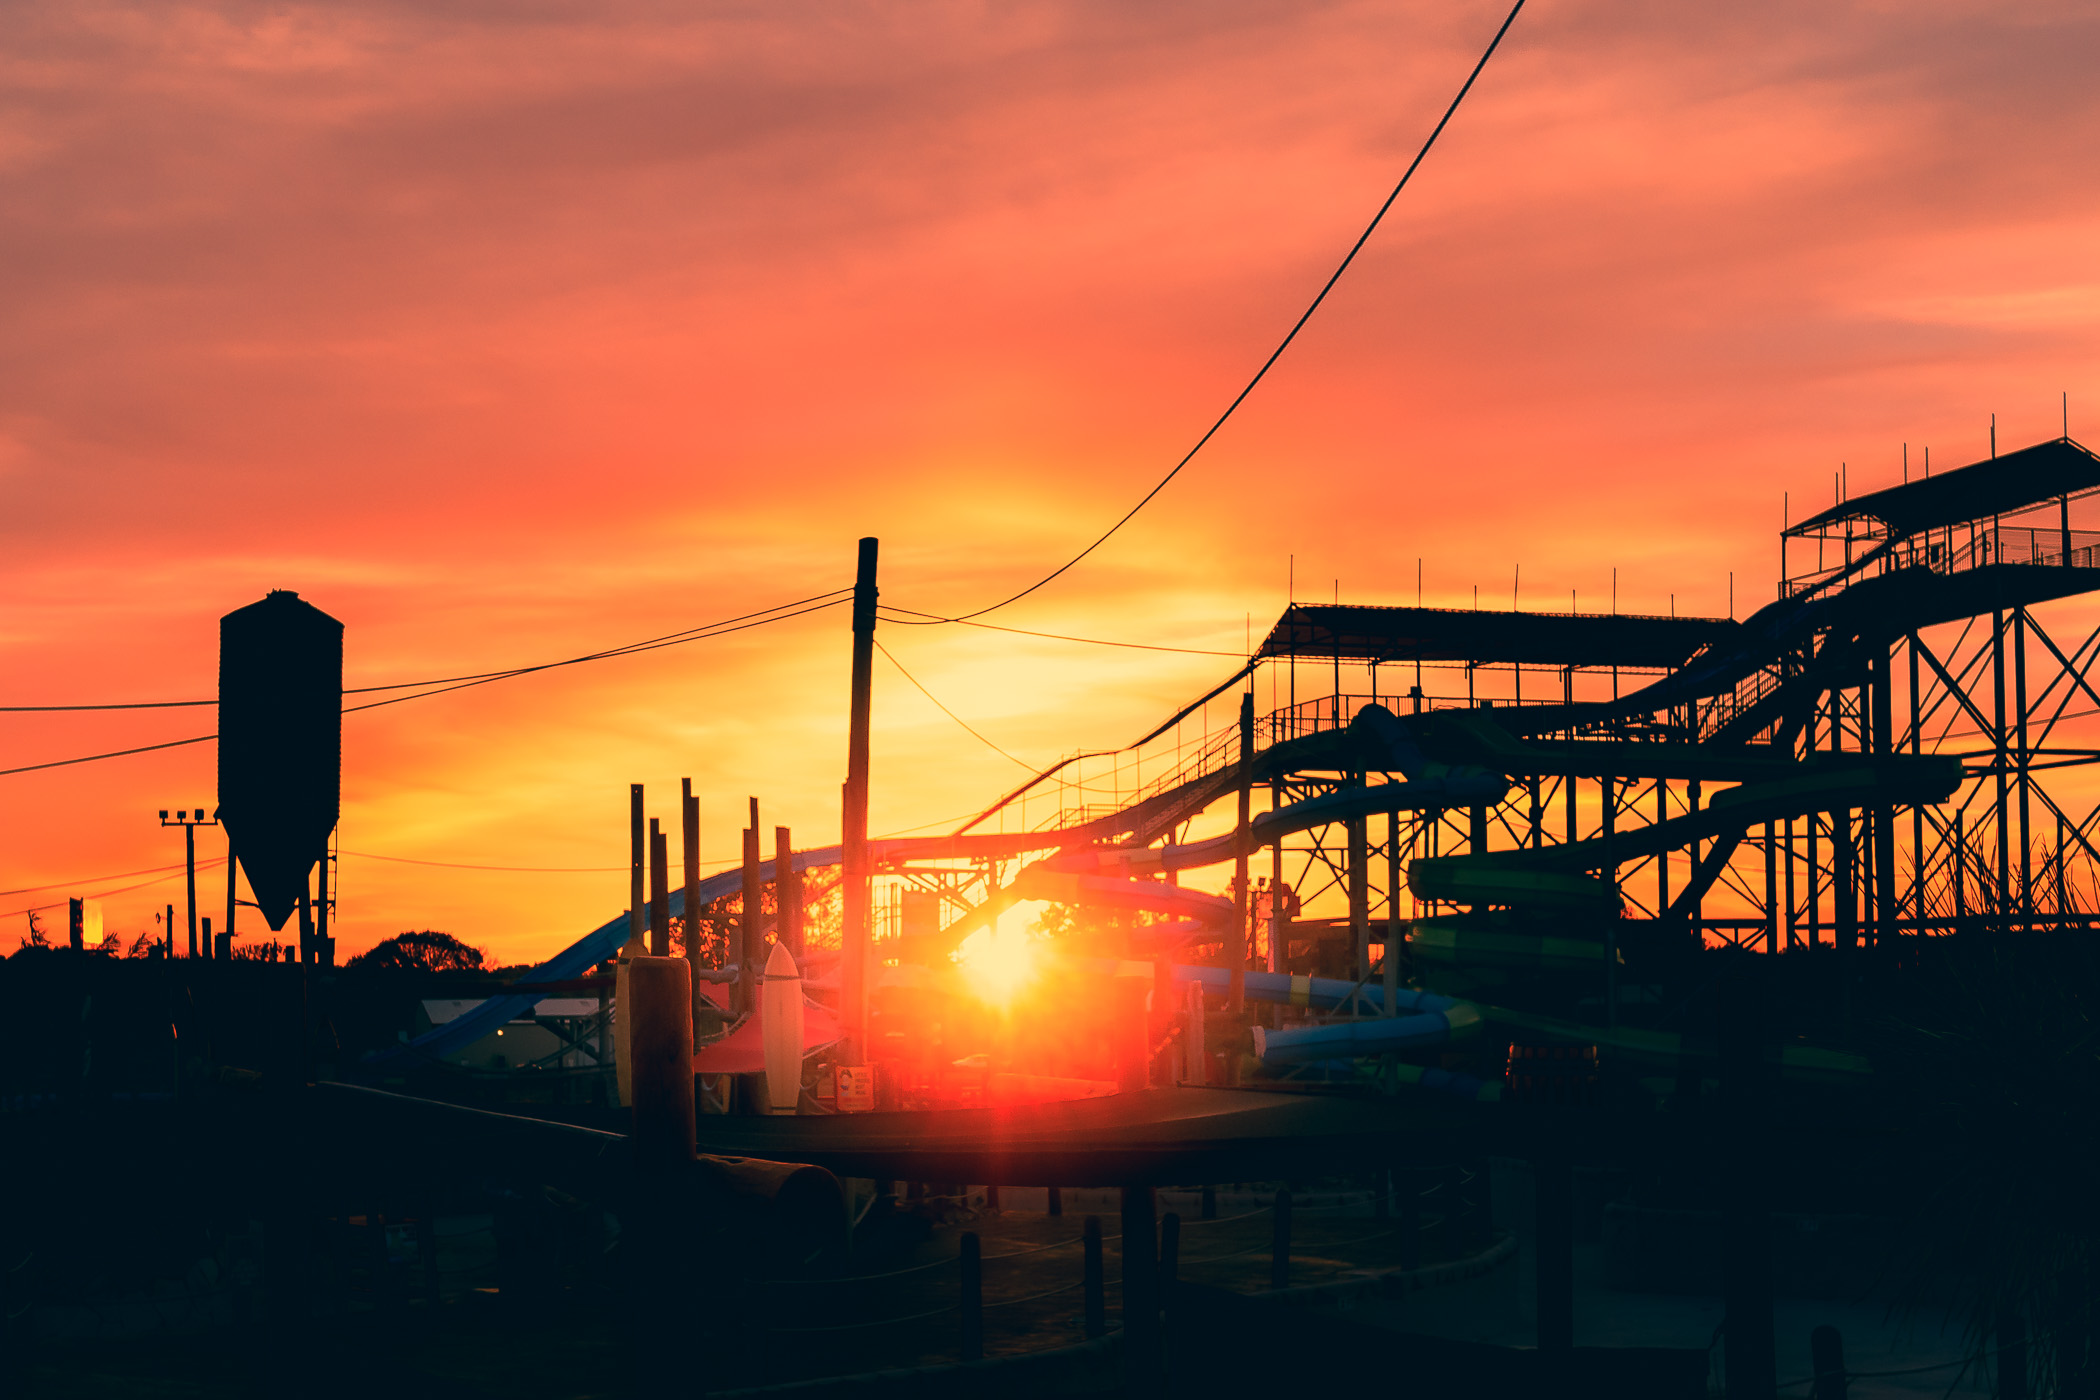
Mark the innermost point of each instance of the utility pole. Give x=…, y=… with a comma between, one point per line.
x=189, y=819
x=1236, y=946
x=853, y=962
x=689, y=830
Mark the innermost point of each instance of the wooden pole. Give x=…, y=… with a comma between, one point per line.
x=1554, y=1226
x=659, y=891
x=1095, y=1288
x=689, y=832
x=855, y=896
x=750, y=924
x=787, y=894
x=972, y=1297
x=637, y=858
x=1280, y=1241
x=1140, y=1291
x=662, y=1046
x=189, y=852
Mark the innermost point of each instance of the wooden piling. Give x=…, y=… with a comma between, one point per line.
x=1280, y=1240
x=750, y=937
x=689, y=842
x=971, y=1302
x=659, y=892
x=1554, y=1225
x=1095, y=1289
x=787, y=894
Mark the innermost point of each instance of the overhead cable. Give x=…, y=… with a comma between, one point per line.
x=1021, y=763
x=930, y=620
x=695, y=634
x=1285, y=344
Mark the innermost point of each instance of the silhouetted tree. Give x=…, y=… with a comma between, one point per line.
x=426, y=950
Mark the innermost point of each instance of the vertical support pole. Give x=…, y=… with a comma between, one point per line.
x=787, y=894
x=1608, y=798
x=189, y=856
x=168, y=926
x=1662, y=858
x=1360, y=891
x=1194, y=1042
x=1694, y=911
x=1771, y=887
x=1169, y=1258
x=662, y=1047
x=971, y=1301
x=232, y=874
x=689, y=849
x=1917, y=810
x=660, y=892
x=750, y=923
x=1787, y=894
x=637, y=875
x=1141, y=1357
x=657, y=1246
x=1390, y=978
x=1096, y=1306
x=1280, y=1240
x=1746, y=1221
x=855, y=893
x=1884, y=814
x=324, y=945
x=1055, y=1205
x=1554, y=1235
x=1236, y=942
x=1279, y=911
x=2020, y=747
x=2003, y=766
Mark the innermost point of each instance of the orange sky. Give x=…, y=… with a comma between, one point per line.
x=503, y=333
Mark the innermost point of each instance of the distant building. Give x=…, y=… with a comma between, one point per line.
x=559, y=1033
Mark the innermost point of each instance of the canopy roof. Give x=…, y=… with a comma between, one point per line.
x=2000, y=486
x=1360, y=633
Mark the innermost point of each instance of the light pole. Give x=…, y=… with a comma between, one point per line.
x=189, y=819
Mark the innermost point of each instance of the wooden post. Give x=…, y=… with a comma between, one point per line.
x=1210, y=1202
x=661, y=1267
x=787, y=894
x=1280, y=1241
x=1140, y=1291
x=972, y=1299
x=637, y=945
x=1407, y=1184
x=1554, y=1216
x=1826, y=1354
x=857, y=884
x=1056, y=1201
x=689, y=842
x=1095, y=1289
x=750, y=938
x=659, y=893
x=662, y=1049
x=1169, y=1257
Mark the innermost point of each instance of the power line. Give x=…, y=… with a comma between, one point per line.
x=668, y=639
x=695, y=634
x=1277, y=353
x=93, y=879
x=211, y=864
x=1022, y=764
x=113, y=753
x=933, y=621
x=516, y=869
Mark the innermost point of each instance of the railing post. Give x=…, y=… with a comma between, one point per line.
x=1095, y=1290
x=972, y=1300
x=1280, y=1241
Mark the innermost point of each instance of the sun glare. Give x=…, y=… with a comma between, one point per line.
x=997, y=963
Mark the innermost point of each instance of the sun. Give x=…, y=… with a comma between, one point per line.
x=997, y=963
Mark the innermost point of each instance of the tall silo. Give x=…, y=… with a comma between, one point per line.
x=280, y=743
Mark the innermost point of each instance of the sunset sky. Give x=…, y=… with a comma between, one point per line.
x=508, y=332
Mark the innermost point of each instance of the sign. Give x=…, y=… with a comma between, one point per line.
x=856, y=1088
